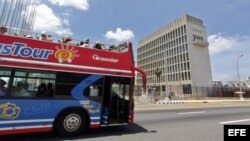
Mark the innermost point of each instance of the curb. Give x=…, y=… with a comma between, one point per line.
x=169, y=102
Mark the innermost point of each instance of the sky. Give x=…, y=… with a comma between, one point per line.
x=112, y=21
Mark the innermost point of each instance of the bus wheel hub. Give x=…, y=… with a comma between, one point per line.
x=72, y=122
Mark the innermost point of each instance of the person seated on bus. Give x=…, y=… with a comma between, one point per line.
x=84, y=43
x=15, y=34
x=3, y=30
x=49, y=91
x=24, y=90
x=28, y=36
x=3, y=90
x=67, y=40
x=99, y=45
x=81, y=44
x=113, y=48
x=17, y=88
x=41, y=89
x=49, y=38
x=115, y=104
x=45, y=37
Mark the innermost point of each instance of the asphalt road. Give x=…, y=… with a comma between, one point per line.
x=182, y=124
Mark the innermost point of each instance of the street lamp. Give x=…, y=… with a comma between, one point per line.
x=240, y=92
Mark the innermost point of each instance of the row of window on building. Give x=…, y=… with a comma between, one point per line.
x=177, y=59
x=171, y=61
x=170, y=35
x=172, y=66
x=170, y=51
x=182, y=76
x=178, y=68
x=159, y=47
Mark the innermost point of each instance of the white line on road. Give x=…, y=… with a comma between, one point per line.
x=231, y=105
x=234, y=121
x=197, y=112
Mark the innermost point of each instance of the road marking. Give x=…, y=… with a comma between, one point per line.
x=230, y=105
x=234, y=121
x=198, y=112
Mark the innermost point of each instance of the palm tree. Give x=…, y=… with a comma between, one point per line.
x=158, y=73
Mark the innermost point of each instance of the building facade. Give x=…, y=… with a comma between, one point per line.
x=180, y=51
x=18, y=14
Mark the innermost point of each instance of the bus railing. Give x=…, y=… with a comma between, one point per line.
x=51, y=37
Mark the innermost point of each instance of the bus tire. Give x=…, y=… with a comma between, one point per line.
x=71, y=123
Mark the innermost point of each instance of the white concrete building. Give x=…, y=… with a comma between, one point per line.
x=180, y=50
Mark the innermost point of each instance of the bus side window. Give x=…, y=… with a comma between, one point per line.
x=94, y=91
x=4, y=81
x=28, y=83
x=22, y=88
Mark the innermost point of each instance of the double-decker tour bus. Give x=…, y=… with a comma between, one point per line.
x=48, y=86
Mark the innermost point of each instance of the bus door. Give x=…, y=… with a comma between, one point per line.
x=106, y=101
x=116, y=100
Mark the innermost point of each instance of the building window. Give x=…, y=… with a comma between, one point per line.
x=187, y=89
x=189, y=77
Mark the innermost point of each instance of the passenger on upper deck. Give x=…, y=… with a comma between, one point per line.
x=113, y=48
x=28, y=36
x=84, y=43
x=3, y=30
x=45, y=37
x=99, y=45
x=67, y=40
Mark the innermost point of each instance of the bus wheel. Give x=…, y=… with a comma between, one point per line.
x=71, y=123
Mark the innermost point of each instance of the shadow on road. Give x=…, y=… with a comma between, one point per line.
x=90, y=134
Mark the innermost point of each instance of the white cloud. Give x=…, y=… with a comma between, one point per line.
x=48, y=21
x=120, y=35
x=219, y=43
x=78, y=4
x=224, y=51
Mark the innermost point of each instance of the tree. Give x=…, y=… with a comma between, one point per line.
x=158, y=73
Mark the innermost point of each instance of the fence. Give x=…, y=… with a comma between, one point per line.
x=194, y=92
